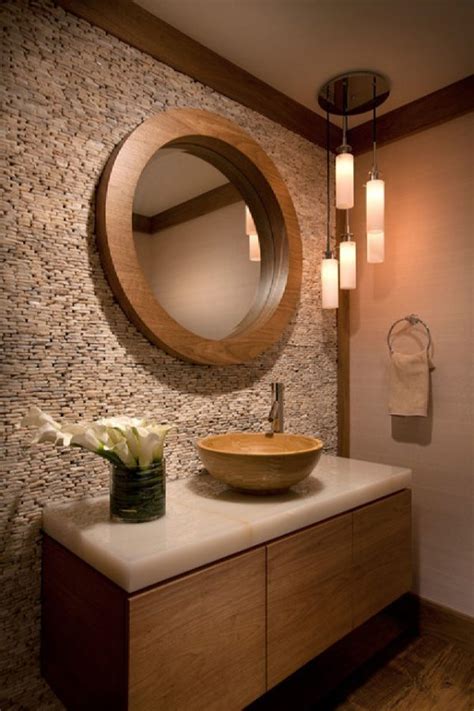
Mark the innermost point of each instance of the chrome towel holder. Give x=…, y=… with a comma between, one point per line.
x=412, y=319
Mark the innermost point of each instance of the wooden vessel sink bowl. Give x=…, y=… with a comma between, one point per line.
x=259, y=463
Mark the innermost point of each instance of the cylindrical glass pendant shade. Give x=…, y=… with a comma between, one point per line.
x=250, y=228
x=254, y=248
x=347, y=264
x=375, y=198
x=375, y=201
x=251, y=231
x=344, y=181
x=375, y=247
x=329, y=283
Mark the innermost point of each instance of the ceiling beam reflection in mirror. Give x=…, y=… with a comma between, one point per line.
x=198, y=206
x=346, y=95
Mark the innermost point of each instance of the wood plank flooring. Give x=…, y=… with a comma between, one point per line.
x=427, y=674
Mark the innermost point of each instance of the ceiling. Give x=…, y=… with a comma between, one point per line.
x=170, y=178
x=297, y=45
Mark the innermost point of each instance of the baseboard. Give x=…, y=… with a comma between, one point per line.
x=445, y=622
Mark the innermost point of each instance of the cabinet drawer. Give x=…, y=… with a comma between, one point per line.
x=308, y=594
x=199, y=642
x=382, y=554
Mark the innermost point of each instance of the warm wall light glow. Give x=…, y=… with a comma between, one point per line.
x=347, y=264
x=375, y=201
x=254, y=248
x=344, y=181
x=329, y=284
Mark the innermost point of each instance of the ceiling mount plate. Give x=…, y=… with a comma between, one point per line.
x=358, y=87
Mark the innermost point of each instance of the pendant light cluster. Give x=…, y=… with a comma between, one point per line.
x=349, y=94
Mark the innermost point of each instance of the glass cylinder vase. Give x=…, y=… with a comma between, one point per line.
x=138, y=495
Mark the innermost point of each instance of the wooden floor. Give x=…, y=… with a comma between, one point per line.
x=426, y=673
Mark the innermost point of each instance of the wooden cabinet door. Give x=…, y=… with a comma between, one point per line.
x=308, y=594
x=382, y=554
x=199, y=642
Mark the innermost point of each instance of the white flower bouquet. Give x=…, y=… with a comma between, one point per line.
x=132, y=445
x=127, y=442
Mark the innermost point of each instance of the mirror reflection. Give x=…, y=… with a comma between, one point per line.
x=196, y=243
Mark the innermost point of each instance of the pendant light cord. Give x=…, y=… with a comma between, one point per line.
x=328, y=189
x=344, y=140
x=344, y=114
x=374, y=124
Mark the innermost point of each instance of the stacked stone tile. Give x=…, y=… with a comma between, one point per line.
x=72, y=92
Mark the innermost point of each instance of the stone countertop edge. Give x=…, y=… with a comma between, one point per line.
x=206, y=521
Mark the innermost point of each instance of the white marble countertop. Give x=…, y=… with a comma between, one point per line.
x=206, y=521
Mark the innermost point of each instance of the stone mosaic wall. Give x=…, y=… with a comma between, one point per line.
x=72, y=93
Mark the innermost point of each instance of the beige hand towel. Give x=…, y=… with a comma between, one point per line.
x=409, y=384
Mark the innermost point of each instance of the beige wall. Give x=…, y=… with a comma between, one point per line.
x=72, y=94
x=200, y=270
x=428, y=270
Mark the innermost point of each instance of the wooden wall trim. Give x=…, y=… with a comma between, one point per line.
x=446, y=623
x=197, y=206
x=203, y=204
x=141, y=29
x=443, y=105
x=141, y=223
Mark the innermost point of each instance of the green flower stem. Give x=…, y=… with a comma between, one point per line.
x=138, y=495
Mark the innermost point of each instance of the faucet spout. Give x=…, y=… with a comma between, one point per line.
x=275, y=415
x=273, y=411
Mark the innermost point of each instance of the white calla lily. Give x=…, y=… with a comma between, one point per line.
x=130, y=442
x=36, y=417
x=109, y=435
x=122, y=423
x=47, y=433
x=125, y=456
x=161, y=431
x=87, y=440
x=133, y=441
x=147, y=447
x=48, y=430
x=70, y=431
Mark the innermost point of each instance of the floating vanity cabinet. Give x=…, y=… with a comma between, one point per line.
x=309, y=597
x=199, y=641
x=222, y=599
x=382, y=554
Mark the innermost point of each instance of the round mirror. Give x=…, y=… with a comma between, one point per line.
x=199, y=238
x=196, y=243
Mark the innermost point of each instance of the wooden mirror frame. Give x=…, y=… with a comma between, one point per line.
x=222, y=143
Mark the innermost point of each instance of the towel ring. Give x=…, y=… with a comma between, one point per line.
x=412, y=319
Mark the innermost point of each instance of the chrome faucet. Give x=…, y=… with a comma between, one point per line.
x=275, y=415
